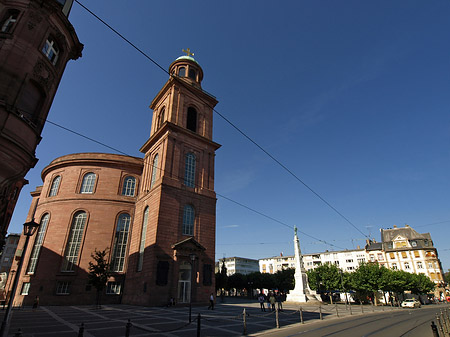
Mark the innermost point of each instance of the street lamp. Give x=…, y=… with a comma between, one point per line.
x=192, y=257
x=29, y=228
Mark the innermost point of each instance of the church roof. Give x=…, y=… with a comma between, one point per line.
x=186, y=57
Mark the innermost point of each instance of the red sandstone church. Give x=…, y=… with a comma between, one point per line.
x=156, y=215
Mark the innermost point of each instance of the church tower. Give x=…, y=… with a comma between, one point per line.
x=172, y=248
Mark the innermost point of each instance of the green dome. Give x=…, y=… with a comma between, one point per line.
x=186, y=57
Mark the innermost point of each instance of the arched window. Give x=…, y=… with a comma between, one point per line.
x=74, y=241
x=154, y=170
x=51, y=50
x=87, y=186
x=9, y=20
x=192, y=74
x=161, y=117
x=143, y=236
x=38, y=243
x=189, y=170
x=55, y=186
x=191, y=123
x=188, y=220
x=120, y=243
x=182, y=72
x=129, y=186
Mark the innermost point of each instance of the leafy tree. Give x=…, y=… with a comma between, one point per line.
x=325, y=277
x=284, y=279
x=237, y=281
x=367, y=279
x=421, y=284
x=99, y=272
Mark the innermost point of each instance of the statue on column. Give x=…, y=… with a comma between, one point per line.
x=301, y=292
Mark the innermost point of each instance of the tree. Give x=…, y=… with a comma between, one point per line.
x=367, y=279
x=325, y=277
x=99, y=272
x=284, y=279
x=222, y=278
x=421, y=284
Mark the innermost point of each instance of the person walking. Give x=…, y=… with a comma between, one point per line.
x=211, y=301
x=262, y=300
x=35, y=303
x=272, y=301
x=279, y=300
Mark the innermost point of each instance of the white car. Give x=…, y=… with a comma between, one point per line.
x=411, y=303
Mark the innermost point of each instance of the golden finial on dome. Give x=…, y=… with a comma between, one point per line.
x=188, y=52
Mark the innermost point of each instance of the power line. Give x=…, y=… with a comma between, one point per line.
x=230, y=123
x=145, y=161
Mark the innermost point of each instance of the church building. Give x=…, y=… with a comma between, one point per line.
x=154, y=215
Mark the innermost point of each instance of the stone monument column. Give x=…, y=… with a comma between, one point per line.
x=301, y=292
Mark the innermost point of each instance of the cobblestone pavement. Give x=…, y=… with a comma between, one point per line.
x=225, y=320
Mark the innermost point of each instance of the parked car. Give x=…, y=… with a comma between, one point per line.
x=411, y=303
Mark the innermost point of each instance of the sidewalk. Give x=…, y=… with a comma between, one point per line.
x=225, y=320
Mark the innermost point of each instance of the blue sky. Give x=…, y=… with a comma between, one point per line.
x=352, y=96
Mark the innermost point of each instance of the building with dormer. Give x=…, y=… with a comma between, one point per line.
x=154, y=216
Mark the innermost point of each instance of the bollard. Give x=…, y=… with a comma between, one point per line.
x=337, y=312
x=277, y=318
x=128, y=328
x=81, y=330
x=18, y=333
x=434, y=329
x=443, y=322
x=439, y=324
x=382, y=307
x=301, y=316
x=245, y=323
x=373, y=307
x=320, y=311
x=350, y=306
x=199, y=318
x=362, y=308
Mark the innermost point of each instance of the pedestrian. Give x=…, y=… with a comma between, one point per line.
x=211, y=301
x=35, y=303
x=262, y=300
x=272, y=301
x=279, y=300
x=268, y=300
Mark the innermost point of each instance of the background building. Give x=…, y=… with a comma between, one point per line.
x=36, y=42
x=239, y=265
x=8, y=253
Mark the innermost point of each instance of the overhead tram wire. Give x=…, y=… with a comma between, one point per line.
x=230, y=123
x=220, y=195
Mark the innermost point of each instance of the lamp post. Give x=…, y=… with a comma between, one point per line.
x=29, y=228
x=192, y=257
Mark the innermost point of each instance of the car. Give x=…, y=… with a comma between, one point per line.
x=411, y=303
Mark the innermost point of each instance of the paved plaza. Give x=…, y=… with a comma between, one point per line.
x=225, y=320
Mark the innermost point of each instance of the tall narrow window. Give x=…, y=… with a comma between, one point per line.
x=129, y=186
x=182, y=72
x=51, y=50
x=188, y=220
x=120, y=243
x=87, y=186
x=189, y=170
x=143, y=236
x=154, y=170
x=38, y=244
x=192, y=73
x=74, y=241
x=9, y=21
x=191, y=119
x=54, y=187
x=161, y=117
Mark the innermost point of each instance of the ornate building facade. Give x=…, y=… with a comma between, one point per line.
x=155, y=216
x=36, y=42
